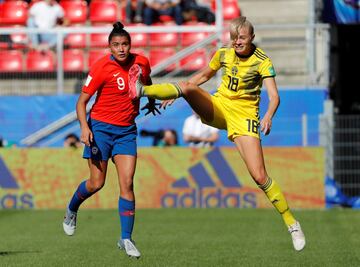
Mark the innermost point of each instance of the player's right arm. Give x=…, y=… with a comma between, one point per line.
x=203, y=76
x=93, y=83
x=86, y=134
x=209, y=71
x=198, y=79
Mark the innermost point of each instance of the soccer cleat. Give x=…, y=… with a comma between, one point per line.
x=129, y=246
x=135, y=84
x=297, y=236
x=69, y=223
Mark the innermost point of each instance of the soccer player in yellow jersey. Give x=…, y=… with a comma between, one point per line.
x=235, y=107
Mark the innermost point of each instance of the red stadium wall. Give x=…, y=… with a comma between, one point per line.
x=165, y=177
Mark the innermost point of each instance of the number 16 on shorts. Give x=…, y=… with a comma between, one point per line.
x=253, y=126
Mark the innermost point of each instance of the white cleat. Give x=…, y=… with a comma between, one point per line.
x=134, y=80
x=297, y=235
x=129, y=246
x=69, y=223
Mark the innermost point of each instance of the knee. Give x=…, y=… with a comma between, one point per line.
x=187, y=87
x=127, y=185
x=95, y=184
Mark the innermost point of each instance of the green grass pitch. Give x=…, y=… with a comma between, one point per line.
x=181, y=237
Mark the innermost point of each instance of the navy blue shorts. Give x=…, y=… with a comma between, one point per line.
x=110, y=140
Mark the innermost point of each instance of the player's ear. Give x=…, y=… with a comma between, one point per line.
x=253, y=37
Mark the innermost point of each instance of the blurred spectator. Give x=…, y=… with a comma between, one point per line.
x=45, y=15
x=6, y=143
x=170, y=138
x=72, y=140
x=192, y=10
x=167, y=137
x=6, y=38
x=134, y=11
x=198, y=134
x=155, y=8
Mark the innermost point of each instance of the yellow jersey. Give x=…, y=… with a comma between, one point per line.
x=241, y=76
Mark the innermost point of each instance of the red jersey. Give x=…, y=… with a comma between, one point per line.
x=110, y=80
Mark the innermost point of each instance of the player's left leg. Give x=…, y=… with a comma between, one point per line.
x=251, y=151
x=125, y=166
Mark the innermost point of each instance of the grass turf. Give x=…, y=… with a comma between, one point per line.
x=180, y=237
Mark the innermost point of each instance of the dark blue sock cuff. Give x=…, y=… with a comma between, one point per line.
x=82, y=189
x=126, y=204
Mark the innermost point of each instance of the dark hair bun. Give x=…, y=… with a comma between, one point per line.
x=118, y=26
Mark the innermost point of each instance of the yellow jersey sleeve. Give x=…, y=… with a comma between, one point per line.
x=215, y=63
x=266, y=69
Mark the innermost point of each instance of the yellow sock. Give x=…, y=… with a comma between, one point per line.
x=274, y=194
x=163, y=91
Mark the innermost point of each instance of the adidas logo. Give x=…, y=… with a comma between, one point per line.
x=11, y=200
x=225, y=192
x=7, y=181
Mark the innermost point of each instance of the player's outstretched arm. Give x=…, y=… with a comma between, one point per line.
x=274, y=102
x=166, y=103
x=203, y=76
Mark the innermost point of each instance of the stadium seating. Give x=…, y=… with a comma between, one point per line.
x=166, y=19
x=75, y=40
x=99, y=13
x=158, y=55
x=195, y=61
x=139, y=51
x=14, y=40
x=95, y=54
x=225, y=36
x=231, y=9
x=139, y=39
x=75, y=11
x=13, y=12
x=11, y=61
x=19, y=40
x=74, y=60
x=189, y=38
x=4, y=45
x=104, y=11
x=37, y=61
x=99, y=40
x=164, y=39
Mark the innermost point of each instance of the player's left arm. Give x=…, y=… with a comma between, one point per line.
x=274, y=102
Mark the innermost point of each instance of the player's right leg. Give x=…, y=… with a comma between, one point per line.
x=97, y=155
x=85, y=190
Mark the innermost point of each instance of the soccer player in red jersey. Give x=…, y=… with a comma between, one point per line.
x=110, y=131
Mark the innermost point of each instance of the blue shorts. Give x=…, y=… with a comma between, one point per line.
x=110, y=140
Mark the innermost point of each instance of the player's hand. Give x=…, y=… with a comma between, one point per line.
x=151, y=108
x=166, y=103
x=86, y=136
x=265, y=125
